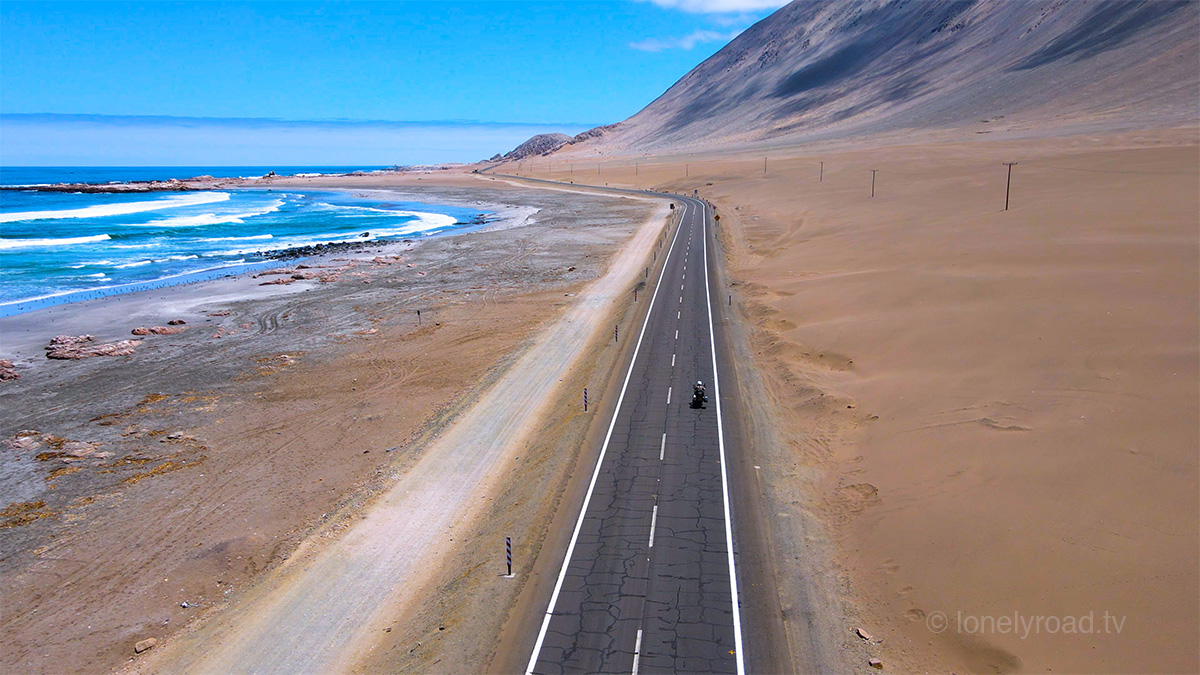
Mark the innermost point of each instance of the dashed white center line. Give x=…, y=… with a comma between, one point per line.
x=676, y=334
x=653, y=522
x=637, y=651
x=668, y=395
x=681, y=299
x=681, y=287
x=672, y=360
x=662, y=449
x=678, y=314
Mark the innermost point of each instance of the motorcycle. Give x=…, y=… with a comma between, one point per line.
x=699, y=397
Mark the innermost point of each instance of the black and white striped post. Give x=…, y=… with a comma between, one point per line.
x=585, y=399
x=616, y=333
x=508, y=553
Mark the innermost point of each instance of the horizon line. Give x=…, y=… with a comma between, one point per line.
x=101, y=117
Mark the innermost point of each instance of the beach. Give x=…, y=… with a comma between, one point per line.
x=162, y=485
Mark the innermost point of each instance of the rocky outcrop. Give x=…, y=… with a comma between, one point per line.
x=159, y=330
x=595, y=132
x=7, y=371
x=75, y=347
x=542, y=144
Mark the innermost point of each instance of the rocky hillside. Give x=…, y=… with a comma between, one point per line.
x=817, y=69
x=538, y=145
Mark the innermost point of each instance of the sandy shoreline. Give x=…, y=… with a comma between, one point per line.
x=215, y=452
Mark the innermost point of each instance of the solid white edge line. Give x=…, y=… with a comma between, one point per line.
x=653, y=522
x=562, y=574
x=733, y=588
x=637, y=652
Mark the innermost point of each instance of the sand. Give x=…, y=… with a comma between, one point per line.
x=992, y=415
x=272, y=422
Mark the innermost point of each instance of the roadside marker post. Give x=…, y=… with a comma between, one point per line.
x=418, y=317
x=873, y=172
x=616, y=333
x=508, y=553
x=822, y=178
x=585, y=399
x=1008, y=185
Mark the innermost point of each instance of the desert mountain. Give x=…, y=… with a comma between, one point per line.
x=821, y=70
x=540, y=144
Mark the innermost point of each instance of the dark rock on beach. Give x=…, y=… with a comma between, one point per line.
x=75, y=347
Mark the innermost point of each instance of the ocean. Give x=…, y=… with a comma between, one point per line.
x=64, y=247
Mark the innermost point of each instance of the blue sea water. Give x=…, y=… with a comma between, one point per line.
x=62, y=247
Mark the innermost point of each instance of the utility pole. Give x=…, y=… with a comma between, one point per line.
x=764, y=166
x=635, y=168
x=822, y=178
x=687, y=170
x=1008, y=185
x=873, y=181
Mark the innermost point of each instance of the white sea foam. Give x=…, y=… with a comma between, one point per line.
x=102, y=210
x=93, y=263
x=213, y=218
x=430, y=220
x=66, y=241
x=135, y=284
x=138, y=263
x=251, y=238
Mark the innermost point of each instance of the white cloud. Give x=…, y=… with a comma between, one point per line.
x=730, y=20
x=719, y=6
x=686, y=42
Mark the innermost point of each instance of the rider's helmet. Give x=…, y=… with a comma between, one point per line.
x=699, y=383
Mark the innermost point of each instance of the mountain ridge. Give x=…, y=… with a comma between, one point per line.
x=815, y=71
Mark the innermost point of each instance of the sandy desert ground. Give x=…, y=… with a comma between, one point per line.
x=991, y=414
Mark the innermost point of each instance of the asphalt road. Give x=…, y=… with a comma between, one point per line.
x=649, y=583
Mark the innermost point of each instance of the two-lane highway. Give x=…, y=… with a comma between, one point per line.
x=648, y=582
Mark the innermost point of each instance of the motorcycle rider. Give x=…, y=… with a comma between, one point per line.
x=699, y=395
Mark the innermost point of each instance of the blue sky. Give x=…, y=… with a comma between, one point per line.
x=524, y=66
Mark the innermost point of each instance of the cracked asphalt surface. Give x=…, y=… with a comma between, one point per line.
x=647, y=587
